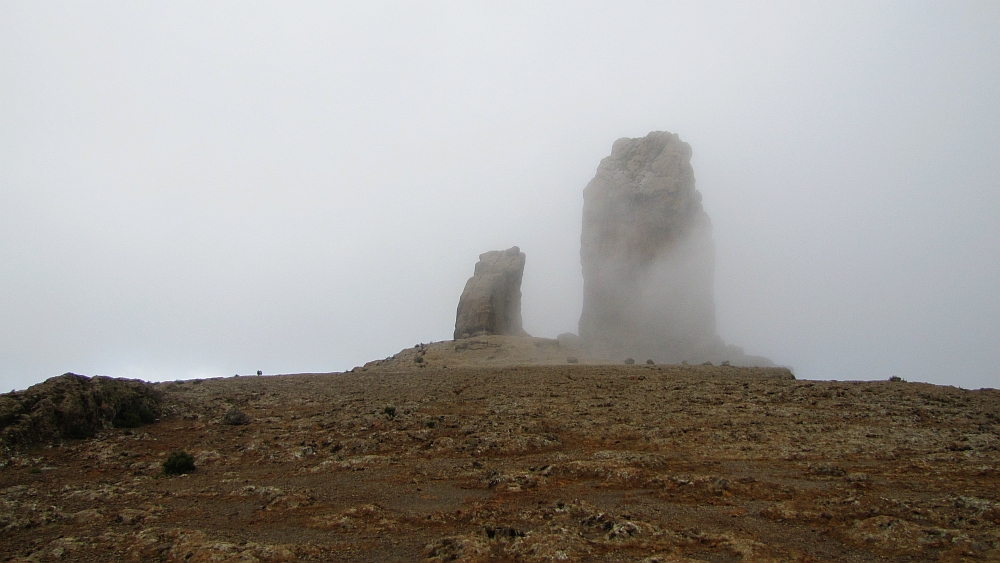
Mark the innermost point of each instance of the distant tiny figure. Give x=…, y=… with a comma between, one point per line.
x=260, y=372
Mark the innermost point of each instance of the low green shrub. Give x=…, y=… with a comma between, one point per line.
x=236, y=417
x=178, y=462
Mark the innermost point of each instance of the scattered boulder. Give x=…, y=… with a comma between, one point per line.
x=130, y=516
x=75, y=406
x=826, y=469
x=87, y=516
x=569, y=341
x=491, y=301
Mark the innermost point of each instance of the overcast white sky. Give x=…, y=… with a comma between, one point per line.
x=192, y=189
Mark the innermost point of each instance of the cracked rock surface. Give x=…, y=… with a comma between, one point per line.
x=536, y=463
x=491, y=300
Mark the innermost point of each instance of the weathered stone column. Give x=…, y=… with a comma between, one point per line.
x=491, y=301
x=648, y=256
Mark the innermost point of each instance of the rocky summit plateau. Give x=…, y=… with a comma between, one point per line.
x=644, y=439
x=416, y=461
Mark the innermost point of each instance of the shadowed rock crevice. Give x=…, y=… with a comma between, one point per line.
x=491, y=301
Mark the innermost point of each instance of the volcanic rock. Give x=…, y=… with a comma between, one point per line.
x=491, y=301
x=75, y=406
x=569, y=340
x=648, y=257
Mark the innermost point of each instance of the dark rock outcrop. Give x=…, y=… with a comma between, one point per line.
x=75, y=406
x=491, y=301
x=648, y=257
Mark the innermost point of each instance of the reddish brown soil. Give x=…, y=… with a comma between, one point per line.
x=571, y=462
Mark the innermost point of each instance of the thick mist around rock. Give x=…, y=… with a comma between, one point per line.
x=649, y=259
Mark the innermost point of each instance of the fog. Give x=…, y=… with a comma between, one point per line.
x=675, y=310
x=203, y=189
x=648, y=258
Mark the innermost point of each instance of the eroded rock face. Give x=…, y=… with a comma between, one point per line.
x=491, y=301
x=648, y=256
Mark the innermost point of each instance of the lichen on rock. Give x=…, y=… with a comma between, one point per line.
x=75, y=406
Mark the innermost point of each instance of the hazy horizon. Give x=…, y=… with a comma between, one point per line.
x=197, y=190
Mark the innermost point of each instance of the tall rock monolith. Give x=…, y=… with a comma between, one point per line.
x=648, y=257
x=491, y=301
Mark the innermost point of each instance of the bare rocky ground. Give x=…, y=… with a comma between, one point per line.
x=397, y=462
